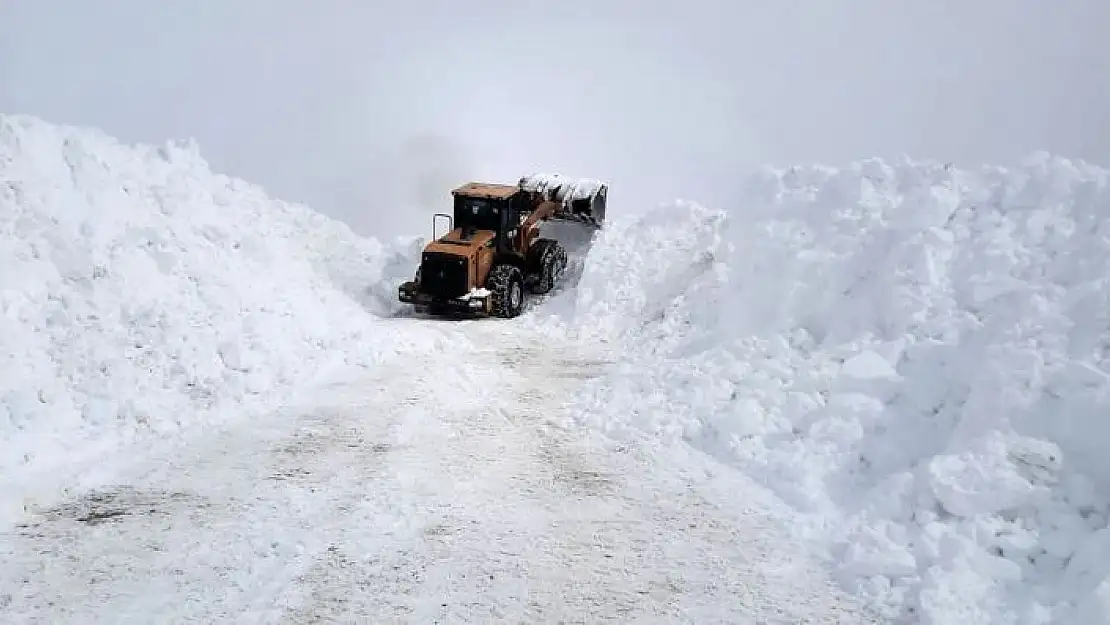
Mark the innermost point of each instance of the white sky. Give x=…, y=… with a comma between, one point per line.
x=370, y=111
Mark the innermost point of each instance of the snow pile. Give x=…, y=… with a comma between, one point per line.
x=141, y=293
x=390, y=267
x=912, y=355
x=632, y=273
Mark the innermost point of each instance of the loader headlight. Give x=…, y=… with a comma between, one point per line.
x=475, y=303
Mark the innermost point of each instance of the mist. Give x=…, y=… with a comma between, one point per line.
x=370, y=112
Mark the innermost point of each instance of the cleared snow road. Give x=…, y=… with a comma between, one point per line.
x=437, y=490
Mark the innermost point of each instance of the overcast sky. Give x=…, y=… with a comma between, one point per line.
x=370, y=111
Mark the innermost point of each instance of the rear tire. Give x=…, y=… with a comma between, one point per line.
x=506, y=282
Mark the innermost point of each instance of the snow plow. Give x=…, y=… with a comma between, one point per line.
x=493, y=252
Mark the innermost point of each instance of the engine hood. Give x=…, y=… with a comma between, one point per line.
x=458, y=241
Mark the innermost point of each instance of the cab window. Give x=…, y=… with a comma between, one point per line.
x=480, y=213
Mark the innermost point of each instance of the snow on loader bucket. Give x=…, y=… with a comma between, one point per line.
x=579, y=199
x=493, y=251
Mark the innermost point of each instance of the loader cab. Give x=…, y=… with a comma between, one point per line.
x=496, y=208
x=479, y=213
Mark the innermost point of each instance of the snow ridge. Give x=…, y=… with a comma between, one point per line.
x=141, y=294
x=913, y=355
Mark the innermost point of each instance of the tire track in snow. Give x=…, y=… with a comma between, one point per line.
x=268, y=495
x=248, y=514
x=524, y=521
x=683, y=556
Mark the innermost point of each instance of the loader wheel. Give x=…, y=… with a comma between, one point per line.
x=547, y=261
x=507, y=284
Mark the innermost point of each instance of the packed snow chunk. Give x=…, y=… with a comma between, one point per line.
x=868, y=372
x=1090, y=566
x=994, y=474
x=475, y=292
x=958, y=593
x=1095, y=606
x=141, y=293
x=872, y=552
x=868, y=366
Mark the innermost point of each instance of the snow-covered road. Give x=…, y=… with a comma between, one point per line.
x=438, y=489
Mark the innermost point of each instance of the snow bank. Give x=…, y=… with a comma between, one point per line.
x=912, y=355
x=624, y=279
x=141, y=293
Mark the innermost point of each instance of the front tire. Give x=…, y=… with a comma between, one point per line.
x=548, y=261
x=506, y=282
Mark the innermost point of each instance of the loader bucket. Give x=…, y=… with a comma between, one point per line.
x=580, y=199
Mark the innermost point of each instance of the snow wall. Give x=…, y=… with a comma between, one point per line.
x=141, y=295
x=912, y=355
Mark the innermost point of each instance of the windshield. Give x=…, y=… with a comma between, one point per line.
x=480, y=213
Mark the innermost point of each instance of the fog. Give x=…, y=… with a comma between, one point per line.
x=370, y=111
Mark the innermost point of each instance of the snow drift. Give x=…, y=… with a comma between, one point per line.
x=913, y=355
x=141, y=294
